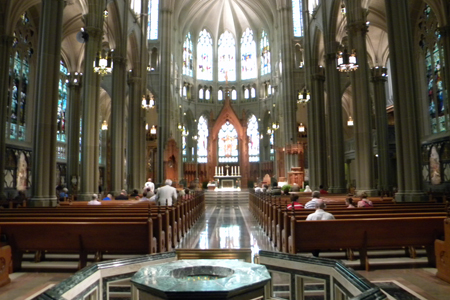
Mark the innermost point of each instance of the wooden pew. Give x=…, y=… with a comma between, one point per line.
x=442, y=249
x=365, y=234
x=5, y=263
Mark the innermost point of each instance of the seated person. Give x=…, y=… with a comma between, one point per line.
x=322, y=190
x=258, y=189
x=135, y=193
x=311, y=204
x=123, y=195
x=145, y=198
x=108, y=197
x=94, y=200
x=349, y=201
x=320, y=214
x=364, y=202
x=64, y=194
x=294, y=201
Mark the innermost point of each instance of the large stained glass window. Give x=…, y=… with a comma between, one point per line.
x=202, y=142
x=136, y=6
x=272, y=150
x=19, y=72
x=253, y=139
x=432, y=48
x=153, y=16
x=248, y=55
x=265, y=54
x=297, y=17
x=227, y=57
x=204, y=56
x=62, y=104
x=228, y=144
x=187, y=56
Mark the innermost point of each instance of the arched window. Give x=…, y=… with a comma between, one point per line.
x=297, y=17
x=227, y=58
x=153, y=16
x=202, y=142
x=253, y=139
x=187, y=56
x=136, y=6
x=233, y=94
x=200, y=93
x=253, y=93
x=207, y=94
x=248, y=55
x=204, y=56
x=432, y=47
x=246, y=93
x=265, y=54
x=228, y=144
x=220, y=95
x=184, y=134
x=62, y=104
x=19, y=72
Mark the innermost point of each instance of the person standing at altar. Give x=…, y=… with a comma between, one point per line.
x=167, y=195
x=149, y=185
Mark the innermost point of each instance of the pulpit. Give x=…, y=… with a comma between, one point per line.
x=296, y=175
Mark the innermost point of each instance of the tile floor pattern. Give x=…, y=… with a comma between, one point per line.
x=227, y=223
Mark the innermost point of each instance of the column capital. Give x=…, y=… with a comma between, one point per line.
x=118, y=59
x=94, y=32
x=357, y=26
x=379, y=73
x=74, y=79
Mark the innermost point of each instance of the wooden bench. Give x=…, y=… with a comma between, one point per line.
x=442, y=250
x=5, y=263
x=364, y=234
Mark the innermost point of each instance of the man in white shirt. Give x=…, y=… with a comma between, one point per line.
x=311, y=204
x=167, y=195
x=94, y=200
x=149, y=185
x=320, y=214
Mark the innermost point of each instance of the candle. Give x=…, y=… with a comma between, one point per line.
x=239, y=170
x=216, y=171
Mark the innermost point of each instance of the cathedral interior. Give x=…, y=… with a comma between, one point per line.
x=350, y=95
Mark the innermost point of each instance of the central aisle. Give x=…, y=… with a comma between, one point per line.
x=226, y=224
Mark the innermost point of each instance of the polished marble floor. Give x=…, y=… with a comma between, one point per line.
x=227, y=223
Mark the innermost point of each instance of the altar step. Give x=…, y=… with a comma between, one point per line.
x=230, y=197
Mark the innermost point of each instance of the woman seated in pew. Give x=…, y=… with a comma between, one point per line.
x=294, y=200
x=349, y=201
x=364, y=202
x=94, y=200
x=108, y=197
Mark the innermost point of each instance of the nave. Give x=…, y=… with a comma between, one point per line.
x=228, y=223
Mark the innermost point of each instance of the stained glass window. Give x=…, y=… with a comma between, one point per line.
x=253, y=139
x=432, y=48
x=204, y=56
x=272, y=151
x=183, y=141
x=248, y=55
x=187, y=56
x=19, y=79
x=202, y=142
x=265, y=54
x=62, y=104
x=227, y=57
x=297, y=17
x=228, y=144
x=153, y=16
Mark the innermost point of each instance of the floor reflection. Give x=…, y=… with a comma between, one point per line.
x=227, y=225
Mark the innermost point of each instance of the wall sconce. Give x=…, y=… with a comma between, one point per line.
x=147, y=102
x=303, y=96
x=195, y=137
x=350, y=121
x=301, y=128
x=104, y=125
x=275, y=125
x=269, y=131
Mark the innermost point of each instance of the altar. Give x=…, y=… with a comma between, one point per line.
x=227, y=178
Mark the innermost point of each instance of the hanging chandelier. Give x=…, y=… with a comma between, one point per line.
x=303, y=96
x=103, y=62
x=275, y=126
x=153, y=130
x=147, y=102
x=347, y=62
x=269, y=131
x=350, y=121
x=104, y=125
x=301, y=128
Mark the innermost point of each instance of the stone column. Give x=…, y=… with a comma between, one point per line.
x=317, y=134
x=44, y=149
x=401, y=47
x=165, y=101
x=362, y=106
x=5, y=48
x=117, y=123
x=336, y=138
x=89, y=173
x=135, y=136
x=379, y=78
x=287, y=108
x=73, y=132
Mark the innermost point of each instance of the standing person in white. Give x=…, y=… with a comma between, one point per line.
x=167, y=195
x=149, y=185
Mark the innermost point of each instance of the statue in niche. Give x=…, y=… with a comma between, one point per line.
x=22, y=173
x=435, y=166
